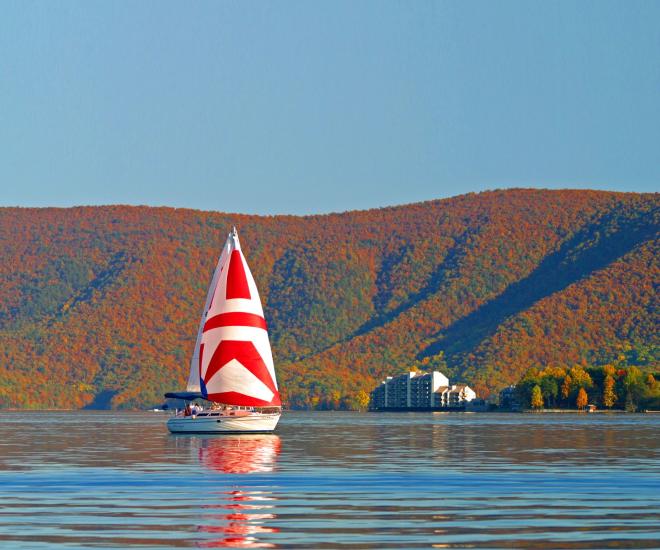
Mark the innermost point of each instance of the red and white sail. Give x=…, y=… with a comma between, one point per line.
x=232, y=362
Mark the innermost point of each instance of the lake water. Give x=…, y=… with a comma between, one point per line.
x=332, y=480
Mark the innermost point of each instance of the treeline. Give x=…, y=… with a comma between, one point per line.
x=608, y=387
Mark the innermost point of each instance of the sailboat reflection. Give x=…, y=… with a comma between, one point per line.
x=240, y=454
x=244, y=511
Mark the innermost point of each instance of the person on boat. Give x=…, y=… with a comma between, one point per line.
x=187, y=411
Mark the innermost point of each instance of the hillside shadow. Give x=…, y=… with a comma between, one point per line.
x=589, y=250
x=431, y=287
x=99, y=283
x=102, y=401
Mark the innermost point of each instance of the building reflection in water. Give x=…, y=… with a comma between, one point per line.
x=243, y=511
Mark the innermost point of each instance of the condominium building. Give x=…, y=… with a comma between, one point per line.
x=419, y=390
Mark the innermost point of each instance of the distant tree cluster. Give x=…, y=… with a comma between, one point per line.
x=606, y=386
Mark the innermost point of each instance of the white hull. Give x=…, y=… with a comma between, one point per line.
x=250, y=423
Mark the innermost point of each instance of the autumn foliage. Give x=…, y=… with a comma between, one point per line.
x=100, y=305
x=607, y=386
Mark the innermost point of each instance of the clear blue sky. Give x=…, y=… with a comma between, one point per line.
x=302, y=107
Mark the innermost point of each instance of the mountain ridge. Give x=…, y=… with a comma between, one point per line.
x=322, y=214
x=349, y=297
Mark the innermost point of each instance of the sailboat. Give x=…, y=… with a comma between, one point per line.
x=232, y=366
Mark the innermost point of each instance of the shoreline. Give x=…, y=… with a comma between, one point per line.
x=562, y=411
x=393, y=410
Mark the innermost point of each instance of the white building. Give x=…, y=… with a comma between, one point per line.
x=420, y=390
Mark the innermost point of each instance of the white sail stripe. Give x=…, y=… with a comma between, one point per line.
x=235, y=377
x=240, y=305
x=239, y=332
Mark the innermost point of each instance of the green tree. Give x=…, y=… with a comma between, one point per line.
x=549, y=389
x=651, y=399
x=609, y=395
x=635, y=387
x=582, y=399
x=526, y=384
x=537, y=398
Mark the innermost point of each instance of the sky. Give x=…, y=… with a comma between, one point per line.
x=307, y=107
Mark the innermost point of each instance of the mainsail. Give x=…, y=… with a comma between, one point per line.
x=232, y=362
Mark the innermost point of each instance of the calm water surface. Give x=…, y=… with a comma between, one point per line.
x=332, y=480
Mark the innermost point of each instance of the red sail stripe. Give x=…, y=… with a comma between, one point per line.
x=235, y=319
x=237, y=285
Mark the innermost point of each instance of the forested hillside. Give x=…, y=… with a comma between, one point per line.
x=99, y=305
